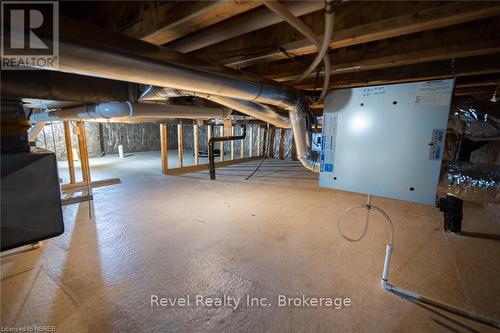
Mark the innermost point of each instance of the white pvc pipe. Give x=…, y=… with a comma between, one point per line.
x=295, y=22
x=427, y=300
x=327, y=37
x=131, y=111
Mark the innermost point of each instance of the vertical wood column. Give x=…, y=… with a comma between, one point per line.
x=271, y=141
x=282, y=144
x=250, y=141
x=69, y=152
x=84, y=157
x=221, y=144
x=180, y=145
x=195, y=145
x=164, y=147
x=232, y=143
x=259, y=140
x=242, y=144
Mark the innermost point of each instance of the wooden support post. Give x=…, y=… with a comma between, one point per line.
x=164, y=147
x=180, y=145
x=271, y=142
x=232, y=143
x=259, y=140
x=195, y=145
x=242, y=145
x=282, y=144
x=221, y=145
x=69, y=152
x=250, y=141
x=84, y=157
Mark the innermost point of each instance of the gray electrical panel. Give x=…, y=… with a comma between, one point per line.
x=386, y=140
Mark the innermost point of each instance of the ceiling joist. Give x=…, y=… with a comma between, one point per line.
x=427, y=19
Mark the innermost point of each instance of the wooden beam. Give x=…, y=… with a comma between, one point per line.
x=259, y=140
x=168, y=21
x=282, y=144
x=242, y=24
x=250, y=141
x=69, y=152
x=221, y=144
x=164, y=146
x=271, y=141
x=94, y=184
x=84, y=157
x=195, y=145
x=427, y=19
x=205, y=166
x=242, y=146
x=462, y=41
x=232, y=143
x=180, y=145
x=427, y=71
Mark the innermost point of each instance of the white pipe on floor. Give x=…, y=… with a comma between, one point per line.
x=427, y=300
x=403, y=292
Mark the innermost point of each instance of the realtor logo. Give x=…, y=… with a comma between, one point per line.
x=30, y=35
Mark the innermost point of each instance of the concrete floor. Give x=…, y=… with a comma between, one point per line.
x=102, y=167
x=273, y=234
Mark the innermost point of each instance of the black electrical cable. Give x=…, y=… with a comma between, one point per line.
x=261, y=161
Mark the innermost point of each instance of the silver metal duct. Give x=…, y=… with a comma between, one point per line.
x=475, y=119
x=125, y=111
x=262, y=112
x=471, y=181
x=91, y=51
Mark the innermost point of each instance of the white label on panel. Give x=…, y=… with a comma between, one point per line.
x=433, y=92
x=328, y=142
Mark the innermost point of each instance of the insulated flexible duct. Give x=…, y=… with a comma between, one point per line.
x=471, y=181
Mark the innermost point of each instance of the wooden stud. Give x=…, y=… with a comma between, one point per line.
x=282, y=144
x=180, y=145
x=242, y=145
x=84, y=157
x=259, y=139
x=250, y=141
x=271, y=141
x=164, y=147
x=69, y=152
x=232, y=143
x=195, y=145
x=221, y=144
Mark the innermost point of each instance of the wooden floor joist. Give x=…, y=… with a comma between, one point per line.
x=488, y=64
x=428, y=19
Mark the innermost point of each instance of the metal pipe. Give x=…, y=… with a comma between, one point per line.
x=91, y=51
x=262, y=112
x=211, y=144
x=131, y=111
